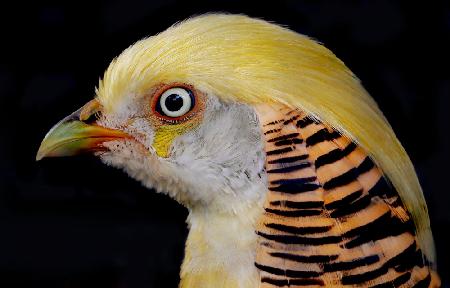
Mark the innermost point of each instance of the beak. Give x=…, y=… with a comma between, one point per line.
x=75, y=134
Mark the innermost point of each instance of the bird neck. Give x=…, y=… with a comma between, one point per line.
x=220, y=249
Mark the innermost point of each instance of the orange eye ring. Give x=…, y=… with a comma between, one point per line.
x=174, y=103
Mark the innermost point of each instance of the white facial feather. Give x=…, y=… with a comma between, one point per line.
x=223, y=156
x=219, y=164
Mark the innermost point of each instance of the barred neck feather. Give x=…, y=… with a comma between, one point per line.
x=331, y=218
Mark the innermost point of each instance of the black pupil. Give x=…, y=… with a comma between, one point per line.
x=174, y=102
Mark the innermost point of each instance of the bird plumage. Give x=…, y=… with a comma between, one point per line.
x=242, y=59
x=250, y=79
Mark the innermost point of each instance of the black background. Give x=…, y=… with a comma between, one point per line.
x=74, y=222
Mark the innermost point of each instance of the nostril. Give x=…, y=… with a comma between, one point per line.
x=92, y=118
x=90, y=112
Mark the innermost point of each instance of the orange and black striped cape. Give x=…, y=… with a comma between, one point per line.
x=331, y=218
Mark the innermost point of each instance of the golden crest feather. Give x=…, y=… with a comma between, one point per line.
x=238, y=58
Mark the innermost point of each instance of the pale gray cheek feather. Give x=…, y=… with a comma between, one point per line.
x=223, y=158
x=219, y=165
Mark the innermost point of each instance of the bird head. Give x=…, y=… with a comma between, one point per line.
x=167, y=112
x=179, y=111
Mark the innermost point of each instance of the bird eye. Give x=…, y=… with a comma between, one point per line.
x=175, y=102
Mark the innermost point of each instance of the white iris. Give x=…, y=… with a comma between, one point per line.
x=185, y=96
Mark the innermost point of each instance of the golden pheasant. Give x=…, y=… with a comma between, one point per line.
x=291, y=174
